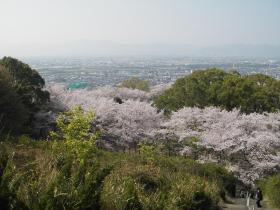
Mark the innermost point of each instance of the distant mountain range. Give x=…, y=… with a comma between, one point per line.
x=106, y=48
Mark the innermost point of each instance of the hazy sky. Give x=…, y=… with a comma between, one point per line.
x=195, y=22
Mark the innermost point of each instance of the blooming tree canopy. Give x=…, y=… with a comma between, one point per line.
x=250, y=144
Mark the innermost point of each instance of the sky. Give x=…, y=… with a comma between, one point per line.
x=35, y=26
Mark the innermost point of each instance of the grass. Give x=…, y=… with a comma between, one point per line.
x=52, y=175
x=271, y=189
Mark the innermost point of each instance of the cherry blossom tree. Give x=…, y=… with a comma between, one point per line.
x=252, y=139
x=130, y=121
x=248, y=144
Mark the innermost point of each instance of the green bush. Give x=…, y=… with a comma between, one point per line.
x=192, y=193
x=21, y=96
x=208, y=171
x=135, y=83
x=119, y=193
x=224, y=179
x=49, y=175
x=8, y=198
x=13, y=113
x=152, y=184
x=148, y=151
x=157, y=187
x=271, y=188
x=215, y=87
x=73, y=127
x=140, y=186
x=54, y=179
x=27, y=82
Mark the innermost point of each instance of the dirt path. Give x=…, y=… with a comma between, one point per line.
x=240, y=204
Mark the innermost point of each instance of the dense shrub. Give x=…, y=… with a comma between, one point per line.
x=135, y=83
x=27, y=82
x=153, y=187
x=119, y=193
x=223, y=178
x=55, y=179
x=271, y=188
x=215, y=87
x=192, y=193
x=48, y=175
x=8, y=199
x=73, y=126
x=135, y=186
x=21, y=95
x=13, y=113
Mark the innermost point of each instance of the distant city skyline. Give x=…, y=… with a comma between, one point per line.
x=120, y=27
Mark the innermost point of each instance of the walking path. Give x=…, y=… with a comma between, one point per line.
x=240, y=204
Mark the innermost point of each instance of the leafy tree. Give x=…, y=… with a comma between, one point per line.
x=13, y=114
x=135, y=83
x=228, y=90
x=195, y=90
x=22, y=95
x=266, y=93
x=148, y=150
x=74, y=127
x=229, y=93
x=252, y=93
x=27, y=83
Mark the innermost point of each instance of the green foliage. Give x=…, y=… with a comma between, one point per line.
x=73, y=127
x=225, y=180
x=197, y=89
x=228, y=90
x=149, y=151
x=271, y=188
x=252, y=93
x=44, y=176
x=135, y=83
x=21, y=95
x=8, y=199
x=54, y=179
x=119, y=193
x=24, y=139
x=135, y=186
x=169, y=146
x=13, y=113
x=26, y=82
x=192, y=193
x=154, y=187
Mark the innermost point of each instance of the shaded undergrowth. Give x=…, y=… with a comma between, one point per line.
x=271, y=189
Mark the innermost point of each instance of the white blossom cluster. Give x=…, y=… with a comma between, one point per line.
x=58, y=91
x=130, y=121
x=253, y=140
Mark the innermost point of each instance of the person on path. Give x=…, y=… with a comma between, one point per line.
x=259, y=197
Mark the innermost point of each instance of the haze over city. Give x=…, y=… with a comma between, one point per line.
x=147, y=27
